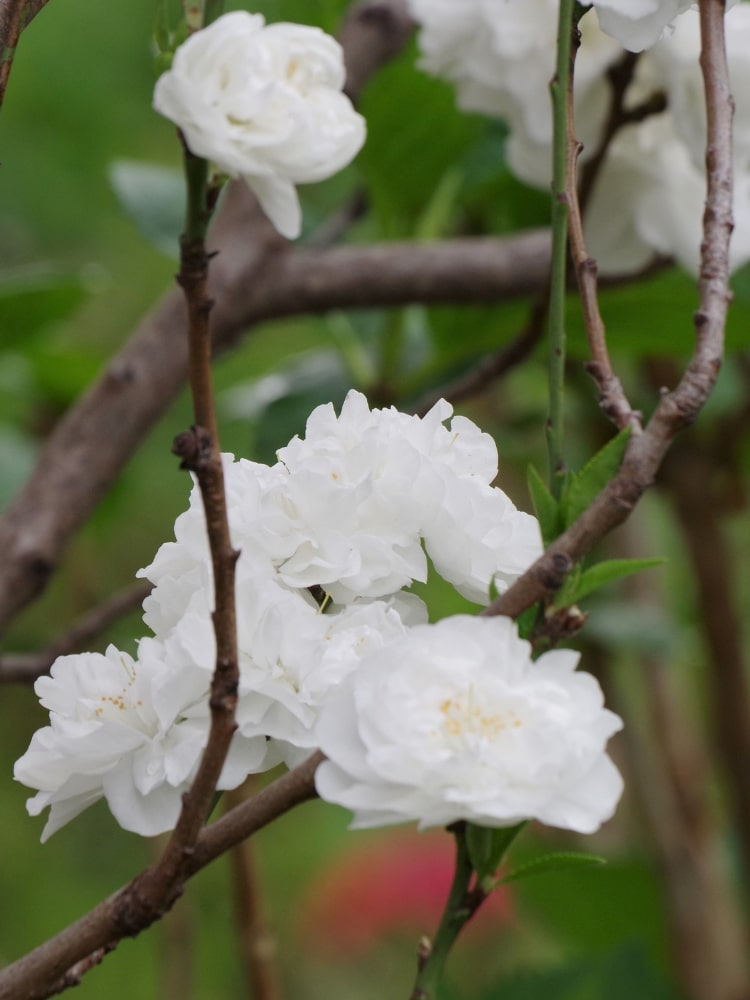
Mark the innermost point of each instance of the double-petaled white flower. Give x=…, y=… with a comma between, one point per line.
x=380, y=483
x=500, y=55
x=264, y=103
x=350, y=506
x=638, y=24
x=655, y=171
x=454, y=721
x=118, y=730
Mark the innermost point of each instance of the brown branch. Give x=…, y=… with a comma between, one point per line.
x=620, y=76
x=679, y=408
x=668, y=772
x=200, y=451
x=15, y=15
x=137, y=905
x=256, y=943
x=254, y=278
x=612, y=398
x=691, y=476
x=374, y=32
x=24, y=668
x=672, y=783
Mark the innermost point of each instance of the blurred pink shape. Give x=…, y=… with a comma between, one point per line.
x=392, y=886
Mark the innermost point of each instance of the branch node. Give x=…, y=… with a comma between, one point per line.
x=194, y=448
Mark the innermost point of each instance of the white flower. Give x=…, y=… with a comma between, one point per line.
x=288, y=676
x=638, y=24
x=454, y=721
x=500, y=54
x=659, y=192
x=290, y=656
x=676, y=61
x=379, y=482
x=650, y=174
x=118, y=731
x=263, y=103
x=348, y=508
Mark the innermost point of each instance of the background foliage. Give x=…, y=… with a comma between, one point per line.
x=76, y=275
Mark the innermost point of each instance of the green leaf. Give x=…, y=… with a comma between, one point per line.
x=280, y=403
x=584, y=486
x=162, y=38
x=33, y=299
x=479, y=845
x=153, y=198
x=558, y=861
x=487, y=845
x=527, y=620
x=546, y=507
x=607, y=572
x=566, y=595
x=624, y=973
x=435, y=218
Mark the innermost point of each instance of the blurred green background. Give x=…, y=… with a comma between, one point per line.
x=75, y=276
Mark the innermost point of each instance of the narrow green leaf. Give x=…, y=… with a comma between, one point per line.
x=527, y=620
x=582, y=487
x=162, y=38
x=435, y=219
x=153, y=198
x=546, y=507
x=487, y=845
x=566, y=595
x=607, y=572
x=479, y=845
x=559, y=861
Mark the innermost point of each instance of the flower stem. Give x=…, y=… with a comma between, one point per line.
x=463, y=902
x=561, y=94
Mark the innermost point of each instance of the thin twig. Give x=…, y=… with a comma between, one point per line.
x=612, y=398
x=15, y=15
x=200, y=451
x=145, y=899
x=257, y=946
x=492, y=368
x=24, y=668
x=620, y=76
x=679, y=408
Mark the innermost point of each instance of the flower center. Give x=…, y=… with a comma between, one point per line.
x=120, y=701
x=463, y=718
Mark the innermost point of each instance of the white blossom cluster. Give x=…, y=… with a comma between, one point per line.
x=265, y=103
x=649, y=196
x=427, y=722
x=355, y=509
